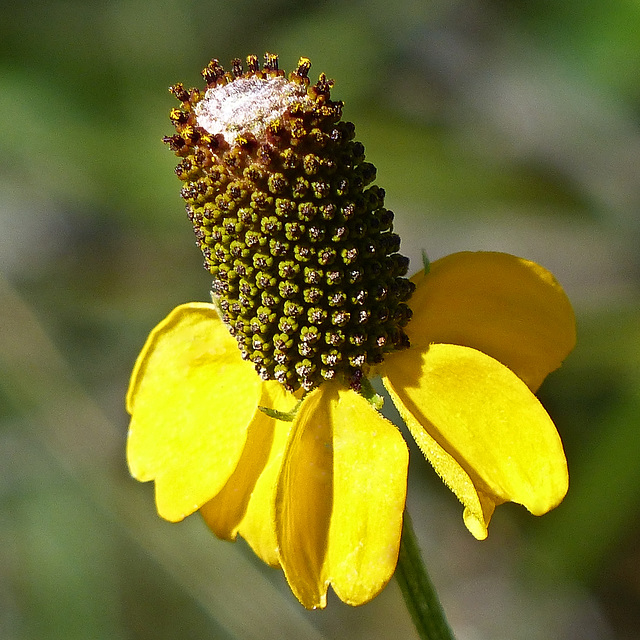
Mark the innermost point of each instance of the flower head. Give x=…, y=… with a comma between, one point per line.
x=309, y=292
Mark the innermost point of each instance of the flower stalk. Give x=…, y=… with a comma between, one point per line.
x=417, y=589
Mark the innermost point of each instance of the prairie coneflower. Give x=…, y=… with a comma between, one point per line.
x=257, y=410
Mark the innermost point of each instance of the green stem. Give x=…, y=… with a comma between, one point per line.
x=419, y=593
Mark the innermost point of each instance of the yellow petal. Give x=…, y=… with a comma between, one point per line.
x=304, y=501
x=507, y=307
x=340, y=498
x=191, y=398
x=224, y=512
x=370, y=461
x=246, y=504
x=258, y=525
x=481, y=428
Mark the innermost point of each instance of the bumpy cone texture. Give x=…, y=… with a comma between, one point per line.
x=304, y=261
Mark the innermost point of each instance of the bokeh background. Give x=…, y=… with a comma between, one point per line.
x=494, y=125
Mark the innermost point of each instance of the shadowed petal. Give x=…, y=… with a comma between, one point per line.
x=507, y=307
x=191, y=398
x=258, y=525
x=246, y=504
x=305, y=500
x=481, y=428
x=262, y=454
x=370, y=461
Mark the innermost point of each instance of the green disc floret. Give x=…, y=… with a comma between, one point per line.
x=305, y=265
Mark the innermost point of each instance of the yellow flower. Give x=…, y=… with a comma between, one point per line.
x=323, y=496
x=257, y=409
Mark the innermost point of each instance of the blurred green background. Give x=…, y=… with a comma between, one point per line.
x=494, y=125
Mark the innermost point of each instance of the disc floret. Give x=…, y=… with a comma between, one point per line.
x=305, y=264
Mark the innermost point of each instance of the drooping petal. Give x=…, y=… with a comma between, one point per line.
x=304, y=501
x=341, y=498
x=246, y=505
x=507, y=307
x=191, y=398
x=482, y=429
x=224, y=512
x=370, y=460
x=258, y=525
